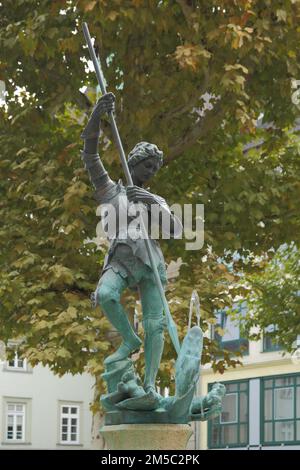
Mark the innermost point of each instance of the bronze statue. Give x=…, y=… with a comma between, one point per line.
x=127, y=263
x=134, y=260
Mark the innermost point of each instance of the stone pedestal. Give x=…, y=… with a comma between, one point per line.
x=147, y=436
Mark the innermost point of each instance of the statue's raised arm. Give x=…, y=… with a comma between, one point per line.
x=97, y=173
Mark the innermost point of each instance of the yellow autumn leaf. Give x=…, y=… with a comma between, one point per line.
x=41, y=325
x=89, y=6
x=281, y=15
x=190, y=55
x=112, y=15
x=220, y=331
x=229, y=67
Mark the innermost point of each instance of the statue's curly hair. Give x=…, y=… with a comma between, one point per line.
x=144, y=150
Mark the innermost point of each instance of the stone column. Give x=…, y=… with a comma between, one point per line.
x=147, y=436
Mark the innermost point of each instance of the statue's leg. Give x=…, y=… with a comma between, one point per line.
x=108, y=294
x=153, y=322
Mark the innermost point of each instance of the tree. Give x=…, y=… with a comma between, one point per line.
x=273, y=296
x=189, y=76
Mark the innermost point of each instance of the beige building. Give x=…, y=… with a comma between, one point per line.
x=261, y=409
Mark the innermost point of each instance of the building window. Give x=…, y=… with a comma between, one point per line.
x=281, y=410
x=69, y=424
x=17, y=363
x=230, y=339
x=230, y=429
x=269, y=342
x=15, y=422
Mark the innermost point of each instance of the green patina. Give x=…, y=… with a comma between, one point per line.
x=135, y=260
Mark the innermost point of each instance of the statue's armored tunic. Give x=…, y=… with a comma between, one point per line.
x=127, y=253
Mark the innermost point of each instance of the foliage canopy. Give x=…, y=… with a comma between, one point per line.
x=191, y=76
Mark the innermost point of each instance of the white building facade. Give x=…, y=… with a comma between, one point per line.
x=39, y=410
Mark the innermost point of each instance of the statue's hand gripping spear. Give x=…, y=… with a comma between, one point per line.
x=170, y=322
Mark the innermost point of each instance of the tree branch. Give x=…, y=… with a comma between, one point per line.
x=199, y=91
x=208, y=122
x=187, y=10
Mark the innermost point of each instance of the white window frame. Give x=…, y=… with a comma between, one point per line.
x=15, y=414
x=69, y=416
x=16, y=365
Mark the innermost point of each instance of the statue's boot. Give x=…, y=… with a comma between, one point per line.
x=154, y=344
x=118, y=318
x=126, y=348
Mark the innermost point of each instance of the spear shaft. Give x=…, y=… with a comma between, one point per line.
x=170, y=322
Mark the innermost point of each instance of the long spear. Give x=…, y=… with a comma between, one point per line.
x=97, y=65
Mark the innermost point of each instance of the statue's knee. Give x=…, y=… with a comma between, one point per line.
x=154, y=325
x=106, y=295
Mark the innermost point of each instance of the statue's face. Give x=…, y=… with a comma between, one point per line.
x=145, y=169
